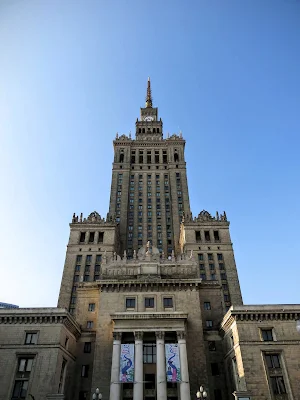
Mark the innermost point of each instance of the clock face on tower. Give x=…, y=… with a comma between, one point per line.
x=148, y=118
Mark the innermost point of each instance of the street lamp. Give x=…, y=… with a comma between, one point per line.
x=202, y=393
x=97, y=395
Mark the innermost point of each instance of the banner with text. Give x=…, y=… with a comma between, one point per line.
x=127, y=363
x=172, y=362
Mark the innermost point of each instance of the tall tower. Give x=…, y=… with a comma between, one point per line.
x=149, y=191
x=149, y=277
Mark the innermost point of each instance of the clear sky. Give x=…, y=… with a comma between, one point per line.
x=73, y=73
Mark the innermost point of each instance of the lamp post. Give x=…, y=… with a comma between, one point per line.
x=202, y=393
x=97, y=395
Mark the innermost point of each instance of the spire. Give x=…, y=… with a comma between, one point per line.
x=149, y=95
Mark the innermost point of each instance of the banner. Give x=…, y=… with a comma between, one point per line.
x=172, y=362
x=127, y=363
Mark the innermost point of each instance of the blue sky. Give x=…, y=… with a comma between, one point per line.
x=73, y=73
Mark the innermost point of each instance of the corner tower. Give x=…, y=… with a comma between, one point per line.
x=149, y=190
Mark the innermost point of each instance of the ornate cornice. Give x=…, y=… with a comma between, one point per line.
x=140, y=285
x=39, y=316
x=148, y=315
x=260, y=314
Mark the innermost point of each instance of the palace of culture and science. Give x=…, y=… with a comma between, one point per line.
x=150, y=305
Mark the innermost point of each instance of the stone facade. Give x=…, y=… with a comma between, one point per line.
x=149, y=276
x=262, y=352
x=37, y=350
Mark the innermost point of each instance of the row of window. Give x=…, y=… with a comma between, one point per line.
x=24, y=369
x=210, y=256
x=207, y=237
x=213, y=276
x=149, y=302
x=90, y=237
x=88, y=259
x=274, y=372
x=212, y=267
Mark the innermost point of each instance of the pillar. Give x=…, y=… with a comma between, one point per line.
x=161, y=382
x=185, y=393
x=115, y=385
x=138, y=367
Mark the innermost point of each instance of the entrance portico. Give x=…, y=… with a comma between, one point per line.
x=149, y=332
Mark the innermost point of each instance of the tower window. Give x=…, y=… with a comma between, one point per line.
x=87, y=347
x=168, y=302
x=209, y=323
x=212, y=345
x=165, y=159
x=272, y=361
x=92, y=237
x=100, y=237
x=278, y=385
x=176, y=158
x=216, y=236
x=85, y=371
x=157, y=130
x=121, y=157
x=82, y=237
x=207, y=236
x=267, y=335
x=149, y=302
x=156, y=157
x=143, y=130
x=141, y=157
x=154, y=130
x=215, y=369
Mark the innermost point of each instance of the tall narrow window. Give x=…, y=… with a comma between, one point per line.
x=165, y=159
x=101, y=236
x=267, y=335
x=92, y=237
x=61, y=377
x=216, y=236
x=31, y=338
x=207, y=236
x=156, y=157
x=141, y=157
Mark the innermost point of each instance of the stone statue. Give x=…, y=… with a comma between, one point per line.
x=148, y=248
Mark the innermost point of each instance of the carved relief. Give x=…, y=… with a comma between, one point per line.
x=138, y=335
x=117, y=335
x=160, y=334
x=181, y=335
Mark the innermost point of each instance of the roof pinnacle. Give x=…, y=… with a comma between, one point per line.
x=149, y=95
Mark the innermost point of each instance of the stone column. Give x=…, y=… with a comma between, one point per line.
x=138, y=367
x=185, y=393
x=115, y=385
x=161, y=382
